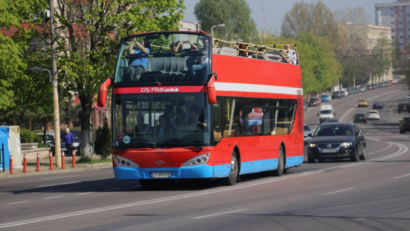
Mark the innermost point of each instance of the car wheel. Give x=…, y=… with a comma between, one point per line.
x=363, y=156
x=281, y=165
x=311, y=160
x=233, y=176
x=355, y=158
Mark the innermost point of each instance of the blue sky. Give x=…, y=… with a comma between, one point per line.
x=276, y=9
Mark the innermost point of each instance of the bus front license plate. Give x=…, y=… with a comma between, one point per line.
x=329, y=151
x=160, y=174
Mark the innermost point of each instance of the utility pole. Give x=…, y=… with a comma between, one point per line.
x=57, y=141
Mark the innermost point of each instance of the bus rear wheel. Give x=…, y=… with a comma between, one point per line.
x=281, y=165
x=233, y=176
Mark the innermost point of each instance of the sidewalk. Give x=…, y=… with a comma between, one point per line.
x=44, y=168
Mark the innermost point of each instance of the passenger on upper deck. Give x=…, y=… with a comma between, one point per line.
x=244, y=51
x=179, y=46
x=139, y=65
x=259, y=55
x=204, y=60
x=287, y=55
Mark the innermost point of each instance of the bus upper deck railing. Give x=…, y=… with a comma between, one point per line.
x=267, y=52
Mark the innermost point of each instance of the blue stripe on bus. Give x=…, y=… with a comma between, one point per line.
x=258, y=166
x=293, y=161
x=190, y=172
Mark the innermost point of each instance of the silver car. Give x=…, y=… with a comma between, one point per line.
x=308, y=133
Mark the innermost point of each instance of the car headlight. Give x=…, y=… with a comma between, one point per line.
x=76, y=144
x=346, y=144
x=312, y=145
x=197, y=160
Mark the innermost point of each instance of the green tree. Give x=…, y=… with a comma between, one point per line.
x=235, y=14
x=314, y=18
x=103, y=144
x=381, y=59
x=88, y=37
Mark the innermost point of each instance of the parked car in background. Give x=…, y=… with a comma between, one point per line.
x=331, y=120
x=305, y=105
x=360, y=117
x=76, y=145
x=378, y=104
x=344, y=92
x=317, y=100
x=326, y=98
x=49, y=137
x=312, y=102
x=336, y=95
x=407, y=98
x=361, y=89
x=403, y=106
x=404, y=124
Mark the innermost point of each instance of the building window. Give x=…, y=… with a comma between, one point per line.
x=392, y=37
x=392, y=23
x=400, y=22
x=401, y=37
x=392, y=30
x=400, y=29
x=391, y=8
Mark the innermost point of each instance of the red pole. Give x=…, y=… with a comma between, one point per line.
x=51, y=161
x=25, y=163
x=38, y=162
x=11, y=164
x=73, y=166
x=62, y=160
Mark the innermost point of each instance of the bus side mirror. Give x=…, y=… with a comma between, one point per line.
x=210, y=88
x=102, y=93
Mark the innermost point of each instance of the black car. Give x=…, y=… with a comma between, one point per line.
x=331, y=121
x=337, y=141
x=336, y=95
x=404, y=124
x=312, y=102
x=360, y=117
x=403, y=106
x=378, y=104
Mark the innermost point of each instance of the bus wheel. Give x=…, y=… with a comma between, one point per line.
x=233, y=176
x=281, y=165
x=148, y=184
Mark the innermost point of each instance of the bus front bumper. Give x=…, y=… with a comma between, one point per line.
x=191, y=172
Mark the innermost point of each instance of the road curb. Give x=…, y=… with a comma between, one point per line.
x=79, y=168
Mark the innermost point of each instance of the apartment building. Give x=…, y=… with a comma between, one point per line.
x=395, y=15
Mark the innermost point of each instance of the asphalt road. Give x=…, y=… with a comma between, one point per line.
x=334, y=195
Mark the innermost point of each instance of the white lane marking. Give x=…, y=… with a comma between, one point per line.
x=384, y=149
x=217, y=214
x=52, y=185
x=48, y=198
x=397, y=177
x=84, y=193
x=112, y=189
x=17, y=202
x=344, y=115
x=339, y=191
x=52, y=178
x=402, y=149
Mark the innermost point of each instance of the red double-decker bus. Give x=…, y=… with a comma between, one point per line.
x=181, y=112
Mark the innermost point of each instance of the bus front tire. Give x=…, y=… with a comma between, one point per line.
x=233, y=176
x=281, y=165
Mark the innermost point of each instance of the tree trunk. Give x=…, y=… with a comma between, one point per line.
x=85, y=149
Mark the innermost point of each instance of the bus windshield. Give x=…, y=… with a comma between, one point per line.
x=171, y=58
x=161, y=120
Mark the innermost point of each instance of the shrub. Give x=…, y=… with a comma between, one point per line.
x=103, y=144
x=26, y=136
x=37, y=139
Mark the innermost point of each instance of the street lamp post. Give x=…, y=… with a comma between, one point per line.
x=212, y=29
x=57, y=142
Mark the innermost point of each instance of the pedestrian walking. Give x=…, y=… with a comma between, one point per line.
x=69, y=140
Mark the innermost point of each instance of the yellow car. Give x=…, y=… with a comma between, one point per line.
x=362, y=103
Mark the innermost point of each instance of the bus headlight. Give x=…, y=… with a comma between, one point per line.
x=124, y=162
x=197, y=160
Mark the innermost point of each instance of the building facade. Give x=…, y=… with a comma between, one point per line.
x=189, y=26
x=396, y=16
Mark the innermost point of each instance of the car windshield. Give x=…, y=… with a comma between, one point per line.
x=312, y=100
x=166, y=57
x=377, y=102
x=161, y=120
x=407, y=119
x=307, y=128
x=372, y=112
x=362, y=101
x=339, y=130
x=360, y=115
x=325, y=95
x=326, y=112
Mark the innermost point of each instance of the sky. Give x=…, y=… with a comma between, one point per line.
x=275, y=10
